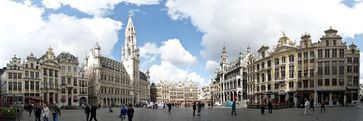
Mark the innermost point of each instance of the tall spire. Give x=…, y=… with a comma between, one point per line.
x=130, y=26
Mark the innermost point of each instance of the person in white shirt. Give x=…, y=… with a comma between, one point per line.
x=307, y=103
x=45, y=113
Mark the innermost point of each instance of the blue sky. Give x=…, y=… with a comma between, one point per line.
x=195, y=30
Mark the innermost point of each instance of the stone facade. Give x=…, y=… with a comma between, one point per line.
x=180, y=94
x=230, y=82
x=42, y=79
x=323, y=72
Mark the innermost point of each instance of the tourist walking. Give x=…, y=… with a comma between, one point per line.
x=93, y=113
x=322, y=106
x=311, y=105
x=169, y=107
x=269, y=105
x=194, y=108
x=30, y=109
x=130, y=112
x=262, y=108
x=307, y=103
x=45, y=113
x=123, y=113
x=55, y=111
x=199, y=108
x=87, y=110
x=234, y=108
x=38, y=112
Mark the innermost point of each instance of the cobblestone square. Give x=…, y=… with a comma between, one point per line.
x=352, y=113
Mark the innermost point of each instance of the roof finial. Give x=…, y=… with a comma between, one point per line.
x=283, y=33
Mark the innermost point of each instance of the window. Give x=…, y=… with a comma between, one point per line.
x=26, y=74
x=268, y=87
x=69, y=69
x=55, y=73
x=63, y=80
x=10, y=86
x=277, y=73
x=312, y=72
x=341, y=53
x=10, y=75
x=306, y=55
x=312, y=60
x=63, y=68
x=63, y=90
x=305, y=73
x=327, y=53
x=312, y=54
x=19, y=76
x=299, y=74
x=305, y=83
x=32, y=85
x=15, y=84
x=291, y=58
x=75, y=91
x=320, y=53
x=31, y=74
x=356, y=69
x=45, y=72
x=341, y=82
x=320, y=82
x=327, y=82
x=311, y=83
x=276, y=85
x=31, y=65
x=263, y=77
x=74, y=81
x=299, y=55
x=334, y=53
x=291, y=84
x=356, y=60
x=37, y=85
x=349, y=60
x=37, y=75
x=326, y=68
x=74, y=69
x=291, y=71
x=19, y=86
x=283, y=59
x=269, y=63
x=334, y=70
x=334, y=82
x=69, y=81
x=276, y=61
x=349, y=69
x=299, y=84
x=26, y=85
x=327, y=42
x=50, y=72
x=334, y=42
x=269, y=75
x=283, y=72
x=341, y=70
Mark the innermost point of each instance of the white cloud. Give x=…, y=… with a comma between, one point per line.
x=255, y=22
x=211, y=66
x=94, y=7
x=23, y=30
x=171, y=50
x=169, y=72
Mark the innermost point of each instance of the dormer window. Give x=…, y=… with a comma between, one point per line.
x=327, y=42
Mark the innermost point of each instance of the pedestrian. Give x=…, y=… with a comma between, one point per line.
x=130, y=112
x=55, y=111
x=322, y=106
x=269, y=107
x=45, y=113
x=87, y=110
x=93, y=113
x=110, y=109
x=169, y=107
x=311, y=105
x=194, y=108
x=38, y=112
x=262, y=108
x=123, y=113
x=307, y=103
x=30, y=109
x=199, y=108
x=233, y=108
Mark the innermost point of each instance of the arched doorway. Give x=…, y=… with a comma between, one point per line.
x=82, y=101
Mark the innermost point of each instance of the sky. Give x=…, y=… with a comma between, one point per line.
x=178, y=39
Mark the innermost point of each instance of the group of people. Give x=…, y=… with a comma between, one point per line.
x=90, y=110
x=126, y=112
x=197, y=105
x=310, y=105
x=43, y=111
x=269, y=107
